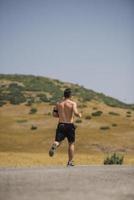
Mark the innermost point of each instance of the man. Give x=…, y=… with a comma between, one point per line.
x=65, y=111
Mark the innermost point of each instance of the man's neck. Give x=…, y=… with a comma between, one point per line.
x=67, y=98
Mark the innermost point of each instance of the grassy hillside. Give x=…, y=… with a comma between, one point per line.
x=27, y=128
x=23, y=88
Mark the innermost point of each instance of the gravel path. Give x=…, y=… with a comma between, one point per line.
x=62, y=183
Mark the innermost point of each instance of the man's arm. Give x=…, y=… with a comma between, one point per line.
x=55, y=111
x=75, y=110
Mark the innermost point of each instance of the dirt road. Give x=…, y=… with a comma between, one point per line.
x=62, y=183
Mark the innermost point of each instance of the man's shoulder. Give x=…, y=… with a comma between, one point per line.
x=72, y=102
x=64, y=101
x=59, y=102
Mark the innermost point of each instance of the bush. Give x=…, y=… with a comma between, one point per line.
x=43, y=97
x=82, y=106
x=95, y=108
x=2, y=103
x=33, y=111
x=104, y=127
x=14, y=97
x=21, y=121
x=88, y=117
x=17, y=99
x=114, y=159
x=29, y=101
x=114, y=113
x=33, y=127
x=114, y=125
x=15, y=88
x=128, y=115
x=128, y=112
x=78, y=121
x=97, y=113
x=111, y=101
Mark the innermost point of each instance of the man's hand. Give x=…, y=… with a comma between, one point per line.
x=76, y=111
x=80, y=115
x=55, y=112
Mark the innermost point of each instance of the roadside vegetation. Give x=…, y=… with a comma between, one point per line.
x=114, y=159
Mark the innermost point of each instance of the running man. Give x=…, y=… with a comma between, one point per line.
x=65, y=111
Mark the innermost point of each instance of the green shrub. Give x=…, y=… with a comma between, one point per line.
x=114, y=125
x=29, y=101
x=2, y=103
x=83, y=93
x=111, y=101
x=15, y=88
x=128, y=115
x=33, y=127
x=97, y=113
x=128, y=112
x=52, y=103
x=114, y=159
x=56, y=97
x=17, y=99
x=15, y=95
x=104, y=127
x=78, y=121
x=2, y=96
x=43, y=97
x=114, y=113
x=95, y=108
x=82, y=106
x=88, y=117
x=33, y=111
x=21, y=121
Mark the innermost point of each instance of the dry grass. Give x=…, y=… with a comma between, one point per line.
x=11, y=159
x=21, y=146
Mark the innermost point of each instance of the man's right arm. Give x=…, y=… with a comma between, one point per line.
x=55, y=111
x=75, y=110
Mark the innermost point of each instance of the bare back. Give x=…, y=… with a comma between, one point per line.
x=66, y=111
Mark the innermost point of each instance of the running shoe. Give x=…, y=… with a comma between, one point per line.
x=70, y=164
x=52, y=150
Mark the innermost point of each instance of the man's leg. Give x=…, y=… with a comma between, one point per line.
x=59, y=137
x=53, y=148
x=70, y=152
x=57, y=143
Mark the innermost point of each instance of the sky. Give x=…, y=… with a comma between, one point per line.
x=88, y=42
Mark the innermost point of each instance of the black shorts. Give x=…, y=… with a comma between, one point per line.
x=65, y=130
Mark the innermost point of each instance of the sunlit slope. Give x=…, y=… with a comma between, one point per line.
x=112, y=131
x=27, y=127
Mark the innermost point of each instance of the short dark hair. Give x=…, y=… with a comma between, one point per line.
x=67, y=93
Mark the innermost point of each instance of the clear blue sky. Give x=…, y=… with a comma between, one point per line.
x=89, y=42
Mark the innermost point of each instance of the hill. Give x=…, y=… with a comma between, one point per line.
x=28, y=88
x=27, y=128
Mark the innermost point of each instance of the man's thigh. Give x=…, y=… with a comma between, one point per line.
x=60, y=133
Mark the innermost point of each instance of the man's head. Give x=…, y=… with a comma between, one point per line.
x=67, y=93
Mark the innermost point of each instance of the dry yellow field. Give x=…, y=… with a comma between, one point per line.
x=21, y=146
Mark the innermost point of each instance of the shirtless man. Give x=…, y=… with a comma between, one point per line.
x=65, y=111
